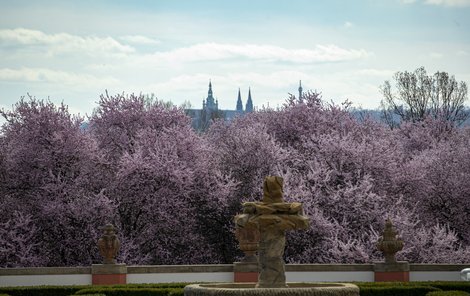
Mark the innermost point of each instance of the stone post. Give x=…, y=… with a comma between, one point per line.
x=391, y=270
x=245, y=272
x=108, y=274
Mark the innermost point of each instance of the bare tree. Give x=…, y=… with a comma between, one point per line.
x=419, y=96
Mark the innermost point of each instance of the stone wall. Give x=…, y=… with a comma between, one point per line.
x=221, y=273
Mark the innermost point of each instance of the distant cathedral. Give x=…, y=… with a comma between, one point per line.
x=201, y=118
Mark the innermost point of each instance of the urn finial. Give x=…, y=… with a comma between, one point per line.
x=109, y=244
x=389, y=244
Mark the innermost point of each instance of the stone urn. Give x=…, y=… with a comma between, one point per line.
x=109, y=244
x=248, y=241
x=389, y=244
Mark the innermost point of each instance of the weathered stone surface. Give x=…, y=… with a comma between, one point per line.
x=109, y=245
x=294, y=289
x=245, y=267
x=271, y=250
x=248, y=240
x=44, y=270
x=437, y=267
x=180, y=268
x=272, y=189
x=329, y=267
x=391, y=267
x=389, y=244
x=272, y=218
x=108, y=269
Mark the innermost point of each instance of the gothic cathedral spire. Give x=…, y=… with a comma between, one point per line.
x=239, y=103
x=249, y=102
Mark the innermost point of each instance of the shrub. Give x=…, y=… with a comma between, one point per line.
x=41, y=290
x=164, y=289
x=128, y=291
x=448, y=293
x=180, y=292
x=452, y=286
x=393, y=290
x=153, y=285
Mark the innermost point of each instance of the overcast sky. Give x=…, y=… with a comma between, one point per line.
x=73, y=51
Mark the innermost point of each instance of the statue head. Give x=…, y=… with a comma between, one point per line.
x=272, y=189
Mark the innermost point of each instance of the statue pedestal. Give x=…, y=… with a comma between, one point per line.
x=392, y=272
x=245, y=272
x=108, y=274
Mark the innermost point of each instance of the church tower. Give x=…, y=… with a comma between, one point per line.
x=210, y=103
x=210, y=109
x=239, y=103
x=249, y=103
x=202, y=118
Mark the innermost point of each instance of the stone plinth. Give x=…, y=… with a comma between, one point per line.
x=245, y=272
x=293, y=289
x=109, y=274
x=392, y=272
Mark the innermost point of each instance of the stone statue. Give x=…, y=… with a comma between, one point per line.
x=109, y=245
x=272, y=217
x=389, y=244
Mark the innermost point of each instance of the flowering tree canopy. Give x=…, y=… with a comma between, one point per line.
x=172, y=192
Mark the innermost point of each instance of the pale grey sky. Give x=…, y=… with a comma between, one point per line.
x=72, y=51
